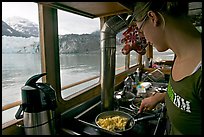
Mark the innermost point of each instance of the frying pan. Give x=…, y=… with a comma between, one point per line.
x=131, y=120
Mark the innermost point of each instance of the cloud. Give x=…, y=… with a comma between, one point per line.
x=68, y=22
x=72, y=23
x=28, y=10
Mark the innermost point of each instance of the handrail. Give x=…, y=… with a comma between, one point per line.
x=123, y=67
x=11, y=105
x=14, y=104
x=17, y=103
x=77, y=83
x=86, y=80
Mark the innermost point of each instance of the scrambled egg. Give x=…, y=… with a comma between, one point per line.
x=113, y=123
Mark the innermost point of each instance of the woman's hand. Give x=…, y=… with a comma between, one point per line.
x=150, y=102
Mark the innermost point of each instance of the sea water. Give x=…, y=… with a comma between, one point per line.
x=18, y=68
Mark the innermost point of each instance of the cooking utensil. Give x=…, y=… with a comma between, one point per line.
x=130, y=123
x=140, y=119
x=98, y=127
x=124, y=98
x=106, y=114
x=136, y=102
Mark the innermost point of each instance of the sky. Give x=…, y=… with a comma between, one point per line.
x=68, y=23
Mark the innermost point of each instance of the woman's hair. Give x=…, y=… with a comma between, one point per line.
x=174, y=9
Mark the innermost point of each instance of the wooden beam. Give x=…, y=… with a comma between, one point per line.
x=50, y=46
x=127, y=61
x=149, y=51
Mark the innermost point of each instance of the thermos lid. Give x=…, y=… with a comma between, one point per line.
x=32, y=100
x=37, y=97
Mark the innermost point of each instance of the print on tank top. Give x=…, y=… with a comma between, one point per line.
x=177, y=100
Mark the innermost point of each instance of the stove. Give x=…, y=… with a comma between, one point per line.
x=84, y=123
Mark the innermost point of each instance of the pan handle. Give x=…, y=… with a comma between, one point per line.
x=96, y=127
x=146, y=117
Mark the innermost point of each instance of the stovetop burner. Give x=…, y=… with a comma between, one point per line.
x=141, y=128
x=79, y=125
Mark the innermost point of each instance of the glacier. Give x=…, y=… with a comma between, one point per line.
x=11, y=44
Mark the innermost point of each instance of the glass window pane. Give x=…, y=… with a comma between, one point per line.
x=21, y=57
x=133, y=58
x=120, y=58
x=159, y=56
x=79, y=44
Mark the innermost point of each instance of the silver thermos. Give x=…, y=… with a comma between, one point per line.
x=38, y=107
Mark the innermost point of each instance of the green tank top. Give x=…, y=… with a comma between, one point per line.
x=183, y=103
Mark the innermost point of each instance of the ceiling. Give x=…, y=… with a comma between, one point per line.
x=103, y=9
x=92, y=9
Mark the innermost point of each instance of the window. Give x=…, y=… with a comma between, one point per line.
x=120, y=58
x=21, y=57
x=159, y=56
x=133, y=58
x=79, y=49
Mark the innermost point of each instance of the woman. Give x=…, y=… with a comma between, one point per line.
x=166, y=25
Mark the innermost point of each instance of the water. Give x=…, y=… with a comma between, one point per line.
x=18, y=68
x=77, y=67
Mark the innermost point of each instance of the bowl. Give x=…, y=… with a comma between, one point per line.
x=136, y=102
x=125, y=99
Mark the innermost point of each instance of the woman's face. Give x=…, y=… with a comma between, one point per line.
x=153, y=32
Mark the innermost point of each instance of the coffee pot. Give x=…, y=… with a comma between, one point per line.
x=38, y=107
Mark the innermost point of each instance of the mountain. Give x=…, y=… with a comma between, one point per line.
x=20, y=45
x=23, y=25
x=9, y=31
x=25, y=39
x=84, y=43
x=69, y=43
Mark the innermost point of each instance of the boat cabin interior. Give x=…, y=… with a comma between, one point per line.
x=76, y=114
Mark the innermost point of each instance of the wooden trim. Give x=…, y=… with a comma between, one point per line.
x=140, y=60
x=149, y=51
x=17, y=103
x=11, y=105
x=127, y=61
x=165, y=62
x=123, y=67
x=12, y=122
x=87, y=94
x=11, y=128
x=165, y=71
x=80, y=82
x=50, y=47
x=90, y=9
